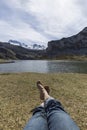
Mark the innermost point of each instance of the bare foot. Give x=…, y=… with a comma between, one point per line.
x=47, y=89
x=44, y=91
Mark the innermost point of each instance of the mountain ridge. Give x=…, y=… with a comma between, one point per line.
x=9, y=51
x=34, y=45
x=74, y=45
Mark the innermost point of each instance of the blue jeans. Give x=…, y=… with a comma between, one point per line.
x=51, y=117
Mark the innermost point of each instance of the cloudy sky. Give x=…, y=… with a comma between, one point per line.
x=41, y=20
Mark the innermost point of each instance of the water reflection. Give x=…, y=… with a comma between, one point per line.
x=44, y=66
x=67, y=66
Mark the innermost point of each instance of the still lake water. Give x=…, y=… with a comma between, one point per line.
x=45, y=66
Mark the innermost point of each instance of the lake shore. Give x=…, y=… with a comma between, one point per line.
x=61, y=57
x=71, y=57
x=19, y=94
x=2, y=61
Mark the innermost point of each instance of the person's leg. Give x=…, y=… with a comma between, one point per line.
x=57, y=118
x=38, y=121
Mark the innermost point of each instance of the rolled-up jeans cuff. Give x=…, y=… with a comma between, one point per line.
x=47, y=100
x=38, y=109
x=53, y=104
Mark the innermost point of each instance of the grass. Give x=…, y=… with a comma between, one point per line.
x=61, y=57
x=71, y=57
x=19, y=94
x=5, y=61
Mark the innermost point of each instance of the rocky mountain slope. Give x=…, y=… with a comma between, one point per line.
x=74, y=45
x=9, y=51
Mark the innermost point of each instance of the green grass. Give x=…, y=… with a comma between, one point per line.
x=5, y=61
x=71, y=57
x=1, y=60
x=19, y=94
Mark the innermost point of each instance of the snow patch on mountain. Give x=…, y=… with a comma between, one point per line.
x=31, y=45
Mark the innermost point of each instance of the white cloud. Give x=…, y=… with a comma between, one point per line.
x=42, y=20
x=56, y=16
x=13, y=3
x=22, y=32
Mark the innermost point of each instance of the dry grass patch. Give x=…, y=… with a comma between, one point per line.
x=19, y=94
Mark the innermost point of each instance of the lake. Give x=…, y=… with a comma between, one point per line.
x=45, y=66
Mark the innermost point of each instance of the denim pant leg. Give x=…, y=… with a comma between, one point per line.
x=38, y=121
x=58, y=118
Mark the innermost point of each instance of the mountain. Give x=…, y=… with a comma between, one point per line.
x=38, y=47
x=74, y=45
x=9, y=51
x=15, y=42
x=32, y=45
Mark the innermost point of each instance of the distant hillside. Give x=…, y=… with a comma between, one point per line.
x=74, y=45
x=9, y=51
